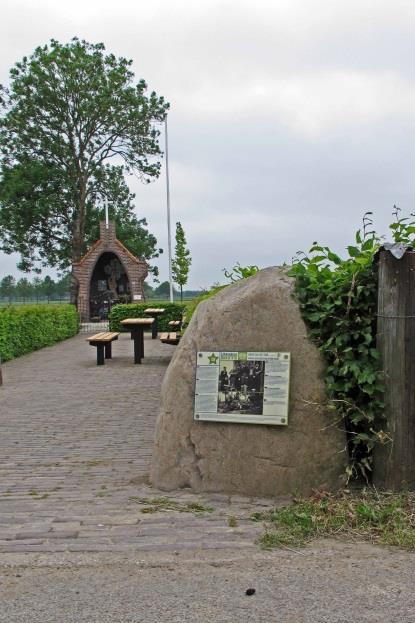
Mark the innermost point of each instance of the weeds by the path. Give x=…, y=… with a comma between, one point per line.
x=154, y=505
x=382, y=518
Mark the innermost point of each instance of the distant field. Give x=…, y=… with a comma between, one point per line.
x=15, y=303
x=57, y=302
x=176, y=300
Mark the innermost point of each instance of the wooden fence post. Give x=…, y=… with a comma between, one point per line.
x=394, y=462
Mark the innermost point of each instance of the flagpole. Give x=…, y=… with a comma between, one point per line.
x=106, y=214
x=168, y=208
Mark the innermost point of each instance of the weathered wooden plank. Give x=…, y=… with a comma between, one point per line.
x=394, y=463
x=103, y=337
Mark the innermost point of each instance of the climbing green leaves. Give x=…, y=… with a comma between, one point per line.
x=338, y=299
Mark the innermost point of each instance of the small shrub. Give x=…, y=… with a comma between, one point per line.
x=239, y=272
x=338, y=302
x=338, y=299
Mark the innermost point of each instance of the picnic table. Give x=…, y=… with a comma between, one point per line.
x=136, y=327
x=154, y=312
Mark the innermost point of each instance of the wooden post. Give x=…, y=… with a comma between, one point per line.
x=100, y=354
x=108, y=350
x=137, y=334
x=394, y=462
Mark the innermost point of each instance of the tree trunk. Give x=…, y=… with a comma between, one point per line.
x=181, y=293
x=73, y=290
x=78, y=236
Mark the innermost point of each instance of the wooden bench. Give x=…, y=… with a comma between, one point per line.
x=170, y=338
x=177, y=324
x=103, y=342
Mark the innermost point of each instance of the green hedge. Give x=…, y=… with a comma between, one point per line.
x=27, y=328
x=174, y=311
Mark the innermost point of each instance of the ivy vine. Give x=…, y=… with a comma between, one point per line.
x=240, y=272
x=338, y=301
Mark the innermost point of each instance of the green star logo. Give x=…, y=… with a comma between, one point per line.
x=213, y=359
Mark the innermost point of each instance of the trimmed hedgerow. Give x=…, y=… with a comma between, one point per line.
x=30, y=327
x=173, y=311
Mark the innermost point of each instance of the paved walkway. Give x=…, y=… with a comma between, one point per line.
x=84, y=539
x=75, y=449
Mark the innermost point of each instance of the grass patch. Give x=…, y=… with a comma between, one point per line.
x=381, y=518
x=93, y=463
x=155, y=505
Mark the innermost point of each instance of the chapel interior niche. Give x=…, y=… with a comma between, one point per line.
x=109, y=286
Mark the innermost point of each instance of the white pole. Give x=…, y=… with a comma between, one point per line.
x=168, y=208
x=106, y=214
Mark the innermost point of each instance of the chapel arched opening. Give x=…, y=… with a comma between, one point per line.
x=109, y=285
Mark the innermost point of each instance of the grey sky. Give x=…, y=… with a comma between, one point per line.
x=288, y=119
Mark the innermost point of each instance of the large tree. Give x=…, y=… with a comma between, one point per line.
x=73, y=123
x=131, y=230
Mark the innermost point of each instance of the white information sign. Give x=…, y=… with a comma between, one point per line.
x=250, y=387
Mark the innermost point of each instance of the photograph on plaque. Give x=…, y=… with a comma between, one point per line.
x=249, y=387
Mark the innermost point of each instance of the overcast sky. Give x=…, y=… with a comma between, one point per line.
x=289, y=119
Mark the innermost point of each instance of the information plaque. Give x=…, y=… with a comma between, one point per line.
x=250, y=387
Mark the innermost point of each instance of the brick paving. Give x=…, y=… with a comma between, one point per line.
x=75, y=449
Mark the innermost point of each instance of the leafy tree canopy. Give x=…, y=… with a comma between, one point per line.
x=162, y=290
x=7, y=286
x=23, y=288
x=73, y=123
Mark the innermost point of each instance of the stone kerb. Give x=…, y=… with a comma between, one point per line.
x=256, y=314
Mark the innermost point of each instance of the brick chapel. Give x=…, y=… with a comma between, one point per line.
x=108, y=274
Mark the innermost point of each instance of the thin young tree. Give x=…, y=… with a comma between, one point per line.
x=182, y=260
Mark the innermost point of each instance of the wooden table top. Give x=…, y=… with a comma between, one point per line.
x=154, y=310
x=137, y=321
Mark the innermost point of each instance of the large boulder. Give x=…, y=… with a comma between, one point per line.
x=255, y=314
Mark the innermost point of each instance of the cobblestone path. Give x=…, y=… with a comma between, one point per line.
x=75, y=448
